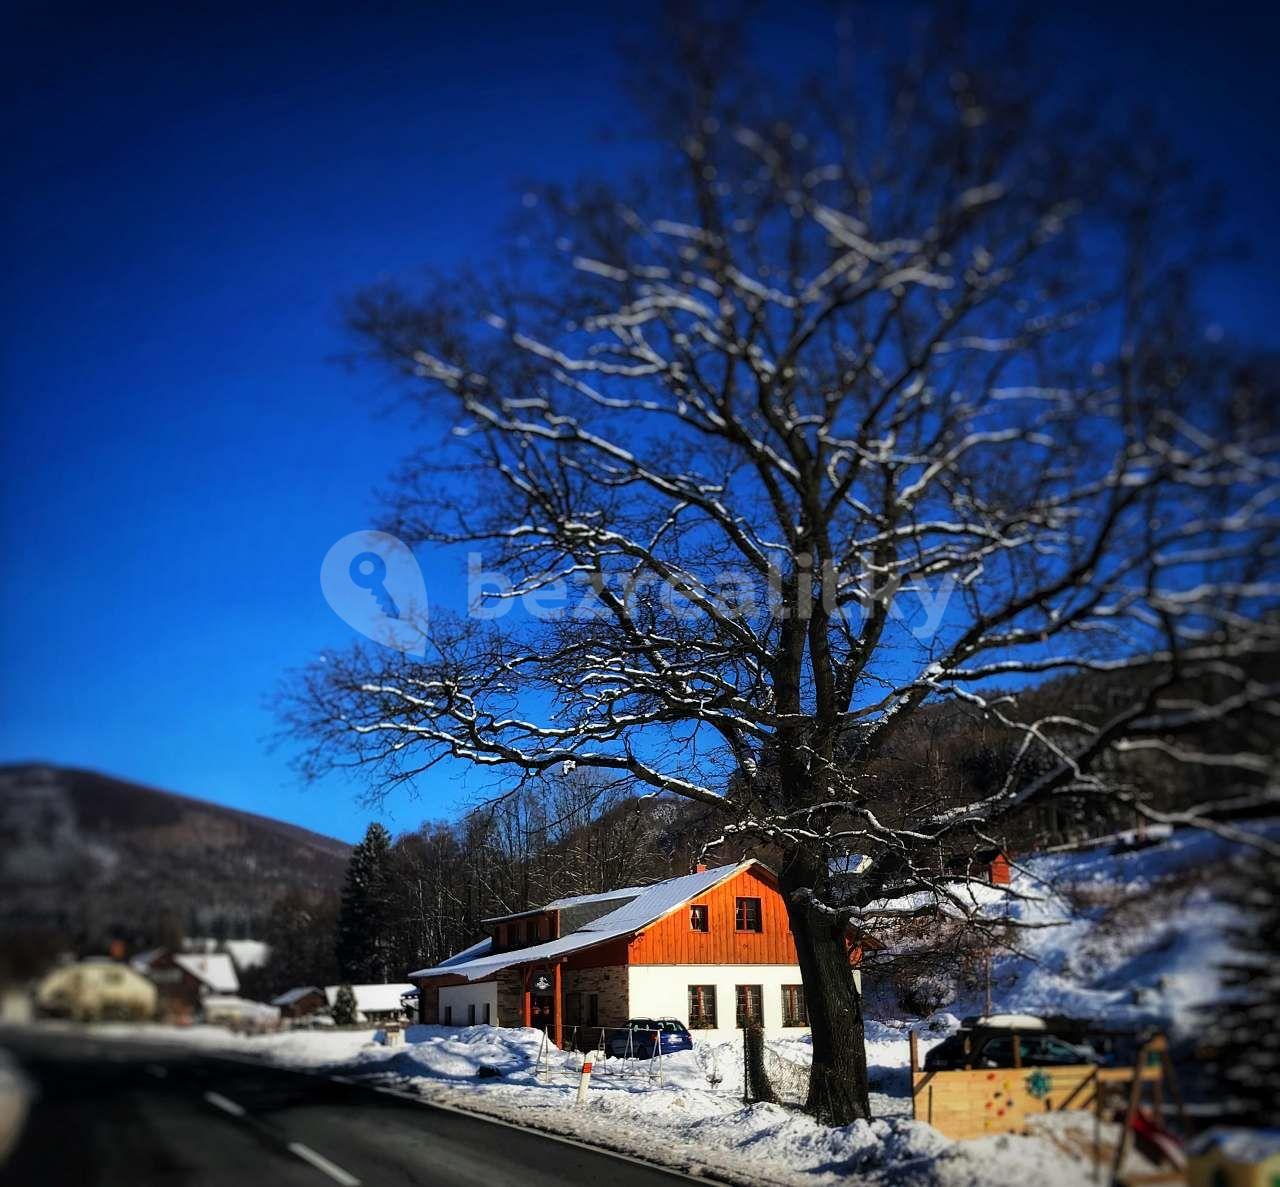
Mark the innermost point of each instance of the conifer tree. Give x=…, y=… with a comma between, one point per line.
x=344, y=1006
x=364, y=922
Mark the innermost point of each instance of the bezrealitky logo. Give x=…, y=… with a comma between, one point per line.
x=373, y=583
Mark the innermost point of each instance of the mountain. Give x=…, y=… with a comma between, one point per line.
x=84, y=857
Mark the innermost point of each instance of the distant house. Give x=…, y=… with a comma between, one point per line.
x=239, y=1013
x=97, y=988
x=246, y=954
x=374, y=1003
x=712, y=949
x=301, y=1002
x=185, y=979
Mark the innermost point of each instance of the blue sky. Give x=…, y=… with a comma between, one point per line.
x=193, y=190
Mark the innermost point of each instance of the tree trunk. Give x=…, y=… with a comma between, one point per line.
x=838, y=1079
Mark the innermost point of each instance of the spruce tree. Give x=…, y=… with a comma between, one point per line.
x=344, y=1006
x=364, y=922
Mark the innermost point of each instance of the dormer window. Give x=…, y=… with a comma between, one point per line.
x=698, y=918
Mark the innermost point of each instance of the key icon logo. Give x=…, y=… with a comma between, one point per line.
x=369, y=571
x=373, y=583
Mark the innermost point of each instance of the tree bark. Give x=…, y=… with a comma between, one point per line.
x=838, y=1079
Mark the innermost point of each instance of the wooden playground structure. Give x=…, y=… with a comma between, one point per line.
x=980, y=1101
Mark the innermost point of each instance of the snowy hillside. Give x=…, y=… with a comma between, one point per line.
x=1123, y=938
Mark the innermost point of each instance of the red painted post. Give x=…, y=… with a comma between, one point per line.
x=584, y=1080
x=557, y=1013
x=527, y=1004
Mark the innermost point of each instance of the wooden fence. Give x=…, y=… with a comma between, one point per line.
x=975, y=1102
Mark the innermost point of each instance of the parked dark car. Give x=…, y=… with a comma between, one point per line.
x=673, y=1036
x=994, y=1048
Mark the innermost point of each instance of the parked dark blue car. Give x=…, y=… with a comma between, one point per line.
x=672, y=1035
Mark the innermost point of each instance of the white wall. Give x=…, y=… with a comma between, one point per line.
x=662, y=991
x=461, y=996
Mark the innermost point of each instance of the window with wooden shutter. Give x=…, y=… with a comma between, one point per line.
x=702, y=1007
x=747, y=916
x=794, y=1012
x=749, y=1009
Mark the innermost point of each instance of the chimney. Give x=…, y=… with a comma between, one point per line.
x=700, y=868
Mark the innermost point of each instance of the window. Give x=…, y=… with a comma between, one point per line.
x=749, y=1011
x=488, y=1013
x=794, y=1012
x=529, y=925
x=471, y=1013
x=448, y=1015
x=702, y=1007
x=698, y=917
x=591, y=1002
x=748, y=914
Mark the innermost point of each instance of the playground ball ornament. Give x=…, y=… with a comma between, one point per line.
x=1039, y=1084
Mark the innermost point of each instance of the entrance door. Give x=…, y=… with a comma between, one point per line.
x=541, y=1010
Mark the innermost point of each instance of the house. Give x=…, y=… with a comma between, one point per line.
x=97, y=988
x=185, y=979
x=246, y=954
x=374, y=1003
x=712, y=948
x=301, y=1002
x=239, y=1013
x=988, y=865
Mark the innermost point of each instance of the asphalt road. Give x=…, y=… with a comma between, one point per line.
x=126, y=1114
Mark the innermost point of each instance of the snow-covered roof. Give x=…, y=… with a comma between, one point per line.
x=214, y=969
x=248, y=954
x=372, y=999
x=227, y=1003
x=1008, y=1022
x=477, y=949
x=289, y=996
x=577, y=900
x=608, y=896
x=641, y=906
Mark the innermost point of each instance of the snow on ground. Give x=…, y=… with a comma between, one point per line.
x=692, y=1117
x=1136, y=938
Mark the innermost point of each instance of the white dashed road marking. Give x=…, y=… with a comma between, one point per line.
x=218, y=1101
x=321, y=1163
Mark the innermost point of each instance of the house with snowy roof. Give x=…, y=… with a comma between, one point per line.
x=374, y=1003
x=185, y=979
x=712, y=949
x=301, y=1001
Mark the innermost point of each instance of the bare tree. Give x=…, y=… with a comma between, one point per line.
x=833, y=418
